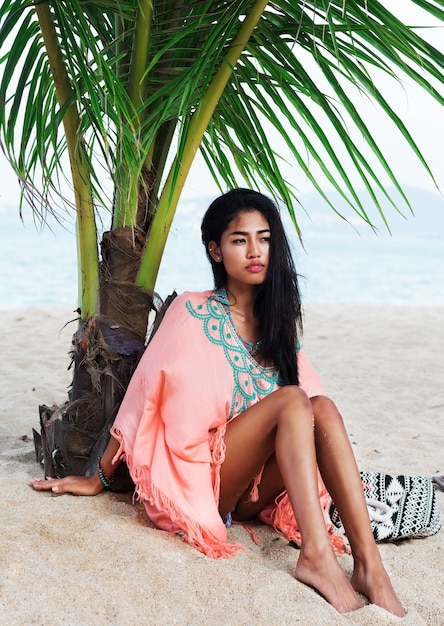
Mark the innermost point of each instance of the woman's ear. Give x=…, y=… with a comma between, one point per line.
x=214, y=251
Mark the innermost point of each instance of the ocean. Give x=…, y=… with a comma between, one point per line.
x=339, y=261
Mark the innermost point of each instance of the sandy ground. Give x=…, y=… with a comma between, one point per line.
x=81, y=561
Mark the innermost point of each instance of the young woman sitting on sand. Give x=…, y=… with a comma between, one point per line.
x=221, y=420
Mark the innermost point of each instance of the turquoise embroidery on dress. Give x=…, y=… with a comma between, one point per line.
x=251, y=381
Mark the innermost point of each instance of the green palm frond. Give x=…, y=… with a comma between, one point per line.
x=184, y=47
x=343, y=45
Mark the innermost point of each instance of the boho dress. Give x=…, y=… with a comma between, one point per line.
x=194, y=376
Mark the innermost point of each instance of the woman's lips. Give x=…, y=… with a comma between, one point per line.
x=255, y=267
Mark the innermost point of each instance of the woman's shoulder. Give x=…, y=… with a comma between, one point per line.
x=194, y=297
x=187, y=300
x=179, y=311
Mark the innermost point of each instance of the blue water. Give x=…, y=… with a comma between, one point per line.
x=339, y=264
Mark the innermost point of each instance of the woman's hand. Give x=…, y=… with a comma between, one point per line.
x=82, y=485
x=78, y=485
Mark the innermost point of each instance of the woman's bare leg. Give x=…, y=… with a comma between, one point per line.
x=282, y=424
x=340, y=473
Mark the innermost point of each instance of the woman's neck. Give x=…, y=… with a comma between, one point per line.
x=240, y=307
x=241, y=300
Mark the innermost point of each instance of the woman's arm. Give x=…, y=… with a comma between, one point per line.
x=82, y=485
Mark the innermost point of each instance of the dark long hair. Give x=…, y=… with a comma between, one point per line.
x=277, y=303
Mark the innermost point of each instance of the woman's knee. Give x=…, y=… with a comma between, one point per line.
x=324, y=409
x=291, y=396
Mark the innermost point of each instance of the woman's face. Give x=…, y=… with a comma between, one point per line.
x=244, y=249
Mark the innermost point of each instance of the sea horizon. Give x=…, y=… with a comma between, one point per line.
x=338, y=261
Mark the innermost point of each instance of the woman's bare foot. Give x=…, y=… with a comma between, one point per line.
x=374, y=582
x=325, y=575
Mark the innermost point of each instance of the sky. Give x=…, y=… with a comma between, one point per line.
x=422, y=115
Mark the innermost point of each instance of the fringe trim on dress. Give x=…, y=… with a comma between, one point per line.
x=191, y=531
x=279, y=514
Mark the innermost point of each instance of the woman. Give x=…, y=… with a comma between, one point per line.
x=221, y=420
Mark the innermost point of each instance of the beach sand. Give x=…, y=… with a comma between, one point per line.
x=81, y=561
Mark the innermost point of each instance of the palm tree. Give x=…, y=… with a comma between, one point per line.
x=130, y=90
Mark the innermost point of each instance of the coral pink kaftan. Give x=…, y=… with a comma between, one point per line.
x=193, y=377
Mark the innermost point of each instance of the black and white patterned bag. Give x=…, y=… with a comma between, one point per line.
x=400, y=507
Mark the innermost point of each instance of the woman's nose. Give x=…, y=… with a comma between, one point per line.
x=253, y=249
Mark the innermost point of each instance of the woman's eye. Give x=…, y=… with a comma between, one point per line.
x=238, y=240
x=266, y=239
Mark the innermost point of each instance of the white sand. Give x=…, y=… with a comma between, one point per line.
x=81, y=561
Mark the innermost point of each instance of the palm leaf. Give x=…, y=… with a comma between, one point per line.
x=185, y=54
